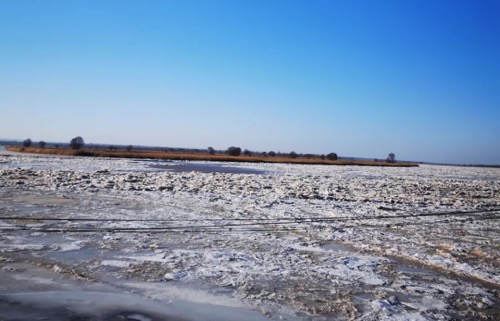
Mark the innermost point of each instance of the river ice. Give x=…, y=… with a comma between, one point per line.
x=293, y=242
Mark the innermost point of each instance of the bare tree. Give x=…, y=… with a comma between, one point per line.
x=391, y=158
x=27, y=142
x=211, y=150
x=332, y=156
x=42, y=144
x=77, y=142
x=233, y=151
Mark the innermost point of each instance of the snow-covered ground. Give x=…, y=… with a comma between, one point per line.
x=293, y=242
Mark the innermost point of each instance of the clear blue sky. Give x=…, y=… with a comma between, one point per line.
x=417, y=78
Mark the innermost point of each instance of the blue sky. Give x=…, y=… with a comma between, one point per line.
x=420, y=78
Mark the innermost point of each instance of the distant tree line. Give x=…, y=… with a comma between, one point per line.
x=75, y=143
x=236, y=151
x=28, y=143
x=78, y=142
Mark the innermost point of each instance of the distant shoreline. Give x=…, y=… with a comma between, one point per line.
x=183, y=156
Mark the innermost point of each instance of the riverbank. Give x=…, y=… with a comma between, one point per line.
x=169, y=155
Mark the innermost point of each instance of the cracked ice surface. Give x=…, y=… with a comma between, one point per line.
x=326, y=242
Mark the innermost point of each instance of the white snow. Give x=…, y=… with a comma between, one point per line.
x=272, y=237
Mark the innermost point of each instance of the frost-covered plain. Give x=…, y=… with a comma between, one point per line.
x=296, y=242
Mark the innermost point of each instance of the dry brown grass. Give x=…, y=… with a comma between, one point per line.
x=478, y=253
x=154, y=154
x=445, y=246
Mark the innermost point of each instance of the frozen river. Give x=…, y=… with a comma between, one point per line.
x=246, y=242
